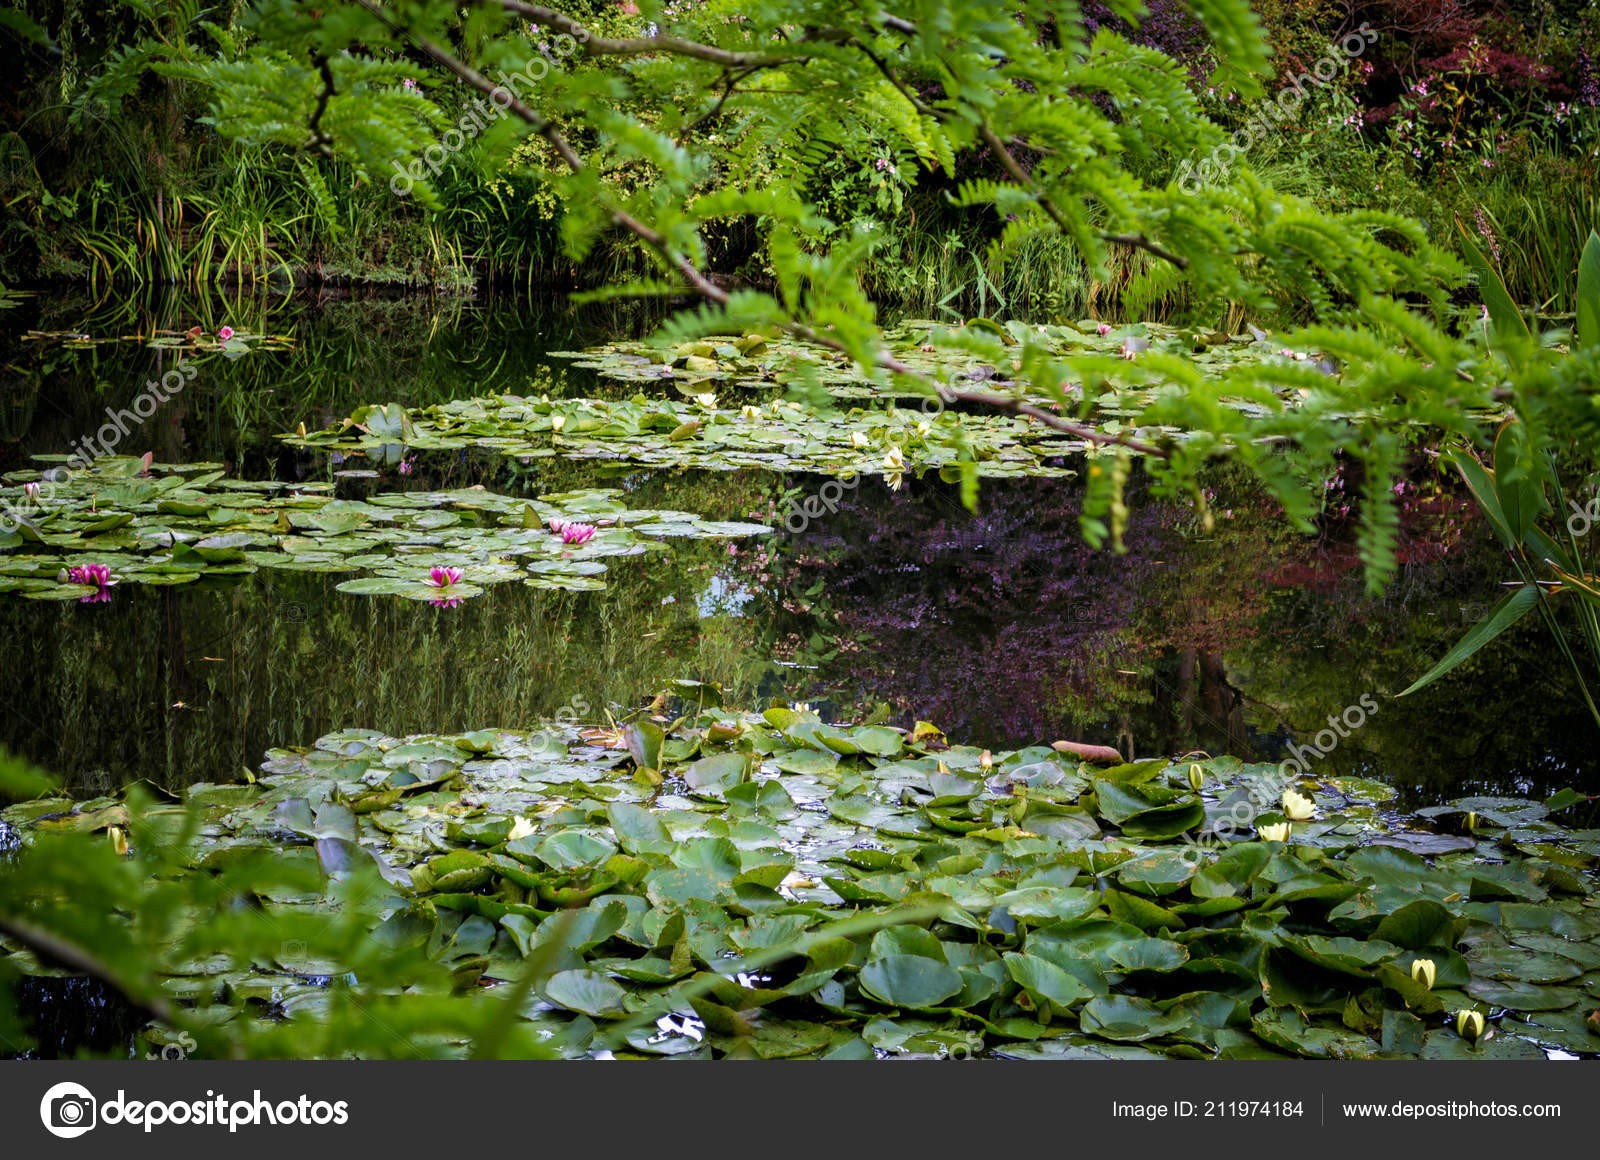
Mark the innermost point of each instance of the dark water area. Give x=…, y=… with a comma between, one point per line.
x=1001, y=626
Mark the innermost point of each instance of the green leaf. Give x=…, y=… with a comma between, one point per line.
x=910, y=981
x=1509, y=609
x=589, y=992
x=1588, y=329
x=1504, y=317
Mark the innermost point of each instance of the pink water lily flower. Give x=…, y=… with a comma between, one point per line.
x=31, y=490
x=1102, y=329
x=577, y=533
x=225, y=333
x=97, y=575
x=558, y=525
x=449, y=602
x=441, y=577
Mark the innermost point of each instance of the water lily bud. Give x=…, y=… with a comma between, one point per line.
x=1197, y=778
x=1297, y=807
x=1471, y=821
x=1470, y=1025
x=119, y=840
x=986, y=760
x=1424, y=972
x=521, y=828
x=1274, y=832
x=557, y=422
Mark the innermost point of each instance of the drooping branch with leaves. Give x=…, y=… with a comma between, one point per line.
x=724, y=111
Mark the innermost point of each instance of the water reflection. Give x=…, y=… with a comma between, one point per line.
x=1001, y=626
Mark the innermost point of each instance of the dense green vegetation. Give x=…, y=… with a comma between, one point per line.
x=1332, y=258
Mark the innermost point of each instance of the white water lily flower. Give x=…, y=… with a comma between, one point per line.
x=707, y=400
x=859, y=439
x=1297, y=807
x=1276, y=832
x=557, y=422
x=923, y=427
x=894, y=461
x=749, y=412
x=521, y=828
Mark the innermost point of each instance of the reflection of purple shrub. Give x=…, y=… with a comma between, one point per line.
x=992, y=625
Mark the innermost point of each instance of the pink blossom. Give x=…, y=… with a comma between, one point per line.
x=97, y=575
x=449, y=602
x=441, y=577
x=577, y=533
x=1102, y=329
x=32, y=491
x=225, y=333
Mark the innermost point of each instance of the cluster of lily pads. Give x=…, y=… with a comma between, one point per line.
x=764, y=360
x=769, y=884
x=779, y=435
x=195, y=340
x=710, y=403
x=75, y=534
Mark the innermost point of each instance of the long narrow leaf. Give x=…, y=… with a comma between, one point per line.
x=1480, y=482
x=1588, y=332
x=1509, y=609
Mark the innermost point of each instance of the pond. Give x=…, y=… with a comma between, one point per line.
x=895, y=604
x=999, y=626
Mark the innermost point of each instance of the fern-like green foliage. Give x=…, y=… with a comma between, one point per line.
x=662, y=124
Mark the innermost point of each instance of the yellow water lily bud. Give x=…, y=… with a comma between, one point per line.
x=521, y=828
x=1197, y=778
x=1424, y=972
x=557, y=422
x=1470, y=1025
x=119, y=840
x=1274, y=832
x=944, y=769
x=1471, y=821
x=300, y=430
x=1297, y=807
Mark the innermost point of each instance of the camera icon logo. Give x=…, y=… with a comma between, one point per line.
x=68, y=1110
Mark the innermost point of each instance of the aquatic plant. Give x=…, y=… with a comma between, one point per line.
x=786, y=888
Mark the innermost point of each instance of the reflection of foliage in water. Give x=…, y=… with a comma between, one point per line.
x=412, y=350
x=180, y=685
x=1003, y=627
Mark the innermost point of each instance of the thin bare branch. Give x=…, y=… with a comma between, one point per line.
x=642, y=45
